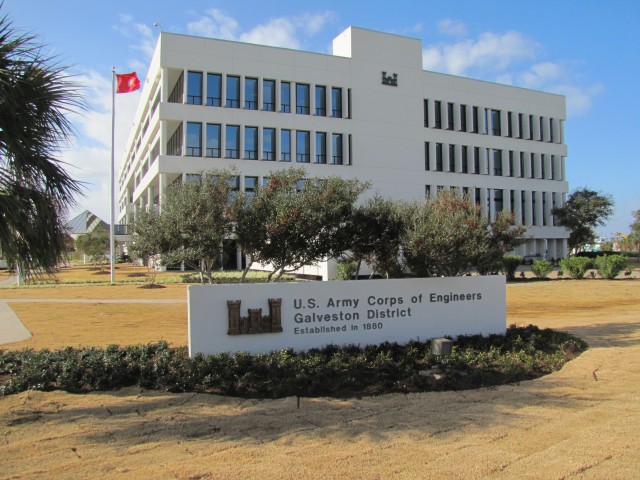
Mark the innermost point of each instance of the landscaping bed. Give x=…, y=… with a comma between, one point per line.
x=522, y=353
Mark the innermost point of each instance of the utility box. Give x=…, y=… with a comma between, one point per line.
x=441, y=346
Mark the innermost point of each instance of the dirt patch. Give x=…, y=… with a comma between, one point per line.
x=580, y=422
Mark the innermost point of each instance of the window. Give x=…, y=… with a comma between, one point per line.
x=321, y=100
x=269, y=143
x=214, y=90
x=336, y=145
x=449, y=116
x=302, y=146
x=192, y=178
x=234, y=183
x=302, y=98
x=511, y=166
x=509, y=124
x=426, y=113
x=463, y=118
x=438, y=114
x=534, y=217
x=497, y=162
x=476, y=160
x=251, y=143
x=521, y=165
x=553, y=167
x=512, y=201
x=543, y=170
x=530, y=127
x=533, y=166
x=269, y=95
x=232, y=137
x=233, y=92
x=251, y=93
x=498, y=200
x=194, y=139
x=496, y=129
x=213, y=140
x=427, y=158
x=452, y=158
x=541, y=133
x=427, y=191
x=464, y=151
x=475, y=120
x=194, y=88
x=250, y=185
x=285, y=145
x=520, y=126
x=336, y=102
x=438, y=157
x=551, y=132
x=321, y=147
x=285, y=97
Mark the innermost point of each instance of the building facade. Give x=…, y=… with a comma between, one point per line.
x=367, y=111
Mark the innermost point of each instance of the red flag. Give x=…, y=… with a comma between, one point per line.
x=127, y=82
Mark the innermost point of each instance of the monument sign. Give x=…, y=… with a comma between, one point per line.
x=260, y=318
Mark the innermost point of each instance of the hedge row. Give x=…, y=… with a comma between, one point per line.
x=523, y=353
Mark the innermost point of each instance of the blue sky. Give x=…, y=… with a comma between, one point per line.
x=586, y=50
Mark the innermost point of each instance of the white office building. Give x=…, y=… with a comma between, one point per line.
x=367, y=111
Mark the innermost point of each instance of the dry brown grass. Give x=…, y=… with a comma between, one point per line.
x=580, y=422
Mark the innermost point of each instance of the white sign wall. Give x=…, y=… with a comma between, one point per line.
x=260, y=318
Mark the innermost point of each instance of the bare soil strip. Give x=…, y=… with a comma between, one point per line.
x=580, y=422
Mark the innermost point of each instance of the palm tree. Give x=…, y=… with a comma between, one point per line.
x=35, y=190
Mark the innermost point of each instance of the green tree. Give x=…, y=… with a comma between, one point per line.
x=448, y=236
x=95, y=245
x=376, y=231
x=149, y=240
x=294, y=222
x=35, y=98
x=584, y=210
x=194, y=218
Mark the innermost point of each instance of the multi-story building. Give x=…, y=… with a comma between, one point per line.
x=367, y=111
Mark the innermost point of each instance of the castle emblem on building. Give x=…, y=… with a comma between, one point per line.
x=391, y=80
x=255, y=322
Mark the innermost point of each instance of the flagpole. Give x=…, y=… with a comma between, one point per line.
x=113, y=124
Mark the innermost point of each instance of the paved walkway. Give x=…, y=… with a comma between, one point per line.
x=11, y=328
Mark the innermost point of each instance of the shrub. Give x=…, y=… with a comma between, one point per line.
x=523, y=353
x=609, y=266
x=510, y=264
x=541, y=268
x=576, y=266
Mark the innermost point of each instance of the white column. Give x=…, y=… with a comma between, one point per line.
x=548, y=204
x=481, y=122
x=528, y=208
x=539, y=210
x=504, y=123
x=457, y=125
x=526, y=128
x=517, y=206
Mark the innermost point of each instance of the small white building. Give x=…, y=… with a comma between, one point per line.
x=367, y=111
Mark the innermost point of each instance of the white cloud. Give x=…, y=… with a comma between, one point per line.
x=216, y=24
x=286, y=32
x=452, y=27
x=509, y=58
x=489, y=52
x=277, y=32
